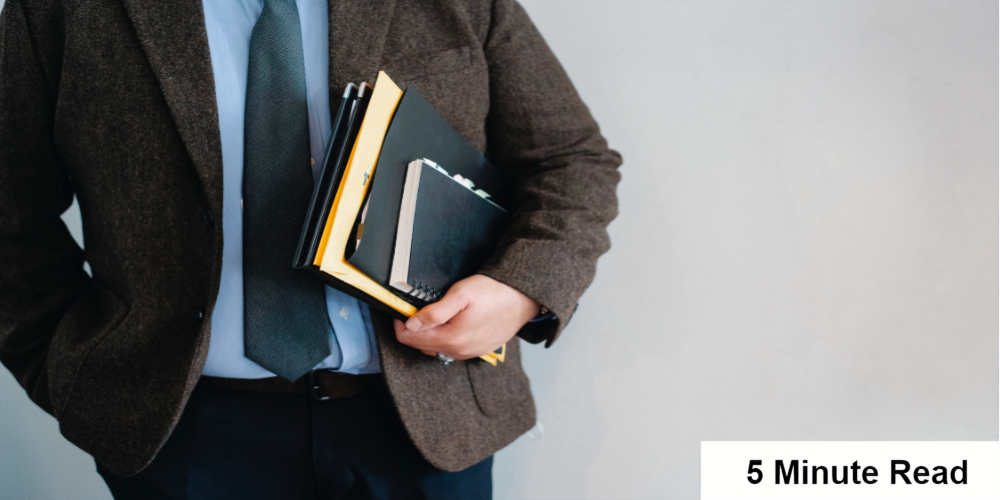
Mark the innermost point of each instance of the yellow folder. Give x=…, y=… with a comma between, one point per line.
x=351, y=194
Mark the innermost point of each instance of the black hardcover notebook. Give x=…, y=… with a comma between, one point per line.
x=445, y=232
x=417, y=131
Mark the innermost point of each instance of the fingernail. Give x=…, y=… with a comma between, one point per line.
x=414, y=324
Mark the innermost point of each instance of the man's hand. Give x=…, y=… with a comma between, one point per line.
x=476, y=316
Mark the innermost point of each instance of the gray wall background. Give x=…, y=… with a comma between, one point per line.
x=807, y=246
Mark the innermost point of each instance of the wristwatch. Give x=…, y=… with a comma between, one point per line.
x=543, y=314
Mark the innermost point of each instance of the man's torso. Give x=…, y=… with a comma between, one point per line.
x=136, y=127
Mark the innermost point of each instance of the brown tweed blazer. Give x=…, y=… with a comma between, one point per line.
x=114, y=101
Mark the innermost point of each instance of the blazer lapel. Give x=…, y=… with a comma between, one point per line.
x=175, y=41
x=357, y=36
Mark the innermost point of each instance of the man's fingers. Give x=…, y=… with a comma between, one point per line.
x=448, y=338
x=412, y=339
x=445, y=338
x=426, y=340
x=438, y=313
x=443, y=327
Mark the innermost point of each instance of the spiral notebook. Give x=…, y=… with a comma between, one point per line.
x=447, y=229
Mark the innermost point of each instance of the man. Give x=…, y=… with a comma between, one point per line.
x=160, y=117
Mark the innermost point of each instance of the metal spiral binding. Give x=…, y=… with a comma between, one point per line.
x=424, y=292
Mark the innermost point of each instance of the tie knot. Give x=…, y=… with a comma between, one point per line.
x=282, y=8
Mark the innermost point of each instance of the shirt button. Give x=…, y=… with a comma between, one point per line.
x=201, y=314
x=209, y=218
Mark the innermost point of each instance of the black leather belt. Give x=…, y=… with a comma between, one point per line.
x=321, y=385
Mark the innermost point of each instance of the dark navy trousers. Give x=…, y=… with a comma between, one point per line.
x=253, y=445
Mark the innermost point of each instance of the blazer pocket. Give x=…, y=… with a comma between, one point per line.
x=498, y=389
x=97, y=312
x=411, y=67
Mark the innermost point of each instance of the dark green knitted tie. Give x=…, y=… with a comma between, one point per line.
x=286, y=325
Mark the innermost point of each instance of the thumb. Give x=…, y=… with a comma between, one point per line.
x=437, y=313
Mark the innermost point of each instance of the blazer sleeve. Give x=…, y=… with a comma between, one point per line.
x=41, y=266
x=564, y=175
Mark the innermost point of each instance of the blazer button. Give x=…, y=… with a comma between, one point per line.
x=201, y=314
x=209, y=218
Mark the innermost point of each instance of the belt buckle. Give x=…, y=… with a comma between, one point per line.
x=313, y=386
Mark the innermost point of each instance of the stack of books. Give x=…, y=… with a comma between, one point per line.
x=404, y=206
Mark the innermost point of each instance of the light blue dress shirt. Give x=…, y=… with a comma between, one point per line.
x=229, y=24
